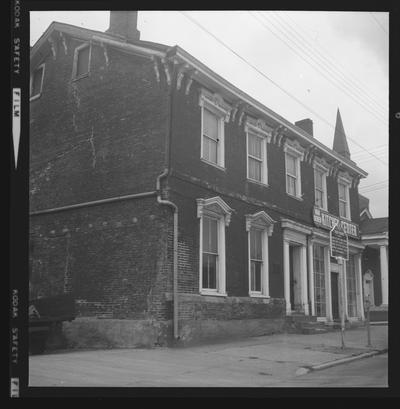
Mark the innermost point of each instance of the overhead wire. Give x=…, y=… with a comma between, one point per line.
x=194, y=21
x=299, y=50
x=325, y=55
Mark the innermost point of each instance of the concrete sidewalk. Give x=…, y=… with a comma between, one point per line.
x=263, y=361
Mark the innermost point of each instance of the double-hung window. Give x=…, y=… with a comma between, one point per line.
x=259, y=226
x=214, y=216
x=256, y=260
x=291, y=175
x=210, y=254
x=351, y=287
x=37, y=82
x=319, y=280
x=211, y=136
x=214, y=112
x=81, y=64
x=293, y=156
x=320, y=191
x=344, y=200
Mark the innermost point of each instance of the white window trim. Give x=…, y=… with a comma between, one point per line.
x=75, y=63
x=36, y=96
x=217, y=209
x=215, y=104
x=266, y=138
x=297, y=152
x=324, y=170
x=264, y=222
x=347, y=183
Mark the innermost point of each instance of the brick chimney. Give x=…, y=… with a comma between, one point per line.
x=124, y=24
x=306, y=125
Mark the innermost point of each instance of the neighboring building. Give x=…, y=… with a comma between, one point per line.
x=375, y=236
x=174, y=205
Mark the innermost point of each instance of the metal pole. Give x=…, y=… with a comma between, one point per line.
x=340, y=262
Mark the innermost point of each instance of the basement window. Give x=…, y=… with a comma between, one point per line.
x=36, y=83
x=81, y=66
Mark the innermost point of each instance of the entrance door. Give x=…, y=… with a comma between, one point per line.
x=335, y=295
x=295, y=278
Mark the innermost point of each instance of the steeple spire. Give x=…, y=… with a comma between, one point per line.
x=340, y=141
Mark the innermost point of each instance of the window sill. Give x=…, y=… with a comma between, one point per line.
x=257, y=295
x=213, y=164
x=256, y=182
x=295, y=197
x=213, y=293
x=37, y=96
x=322, y=208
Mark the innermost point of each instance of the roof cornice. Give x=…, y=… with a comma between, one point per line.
x=204, y=71
x=201, y=73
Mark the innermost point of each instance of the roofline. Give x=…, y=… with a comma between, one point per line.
x=181, y=53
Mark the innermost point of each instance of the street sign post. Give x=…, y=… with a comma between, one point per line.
x=339, y=248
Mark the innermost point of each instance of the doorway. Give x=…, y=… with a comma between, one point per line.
x=335, y=295
x=295, y=278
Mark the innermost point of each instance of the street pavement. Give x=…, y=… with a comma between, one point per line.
x=277, y=360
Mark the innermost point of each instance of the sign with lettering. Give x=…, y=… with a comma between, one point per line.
x=339, y=242
x=328, y=221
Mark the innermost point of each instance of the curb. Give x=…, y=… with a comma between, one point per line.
x=305, y=370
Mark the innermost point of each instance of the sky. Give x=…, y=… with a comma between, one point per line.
x=300, y=64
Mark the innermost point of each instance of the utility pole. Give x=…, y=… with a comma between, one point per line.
x=343, y=295
x=368, y=303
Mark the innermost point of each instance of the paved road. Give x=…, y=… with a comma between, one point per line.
x=367, y=372
x=265, y=361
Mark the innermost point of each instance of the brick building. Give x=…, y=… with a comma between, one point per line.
x=374, y=234
x=171, y=204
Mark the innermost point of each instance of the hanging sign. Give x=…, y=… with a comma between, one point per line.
x=339, y=242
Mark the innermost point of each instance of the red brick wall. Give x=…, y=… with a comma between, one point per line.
x=100, y=136
x=116, y=258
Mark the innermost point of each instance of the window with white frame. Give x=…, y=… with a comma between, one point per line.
x=344, y=199
x=320, y=191
x=214, y=216
x=293, y=176
x=319, y=280
x=82, y=58
x=37, y=81
x=214, y=113
x=257, y=157
x=210, y=254
x=259, y=226
x=351, y=287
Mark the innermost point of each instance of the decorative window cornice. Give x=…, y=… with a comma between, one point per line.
x=261, y=220
x=293, y=147
x=214, y=206
x=259, y=127
x=216, y=101
x=321, y=164
x=345, y=178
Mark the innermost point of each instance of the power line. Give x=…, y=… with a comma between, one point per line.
x=331, y=60
x=373, y=149
x=374, y=190
x=272, y=81
x=341, y=86
x=376, y=183
x=377, y=22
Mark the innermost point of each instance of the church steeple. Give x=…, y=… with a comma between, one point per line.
x=340, y=141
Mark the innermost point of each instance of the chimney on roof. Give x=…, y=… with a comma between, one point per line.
x=306, y=125
x=124, y=24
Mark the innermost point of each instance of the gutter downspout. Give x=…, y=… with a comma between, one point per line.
x=174, y=207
